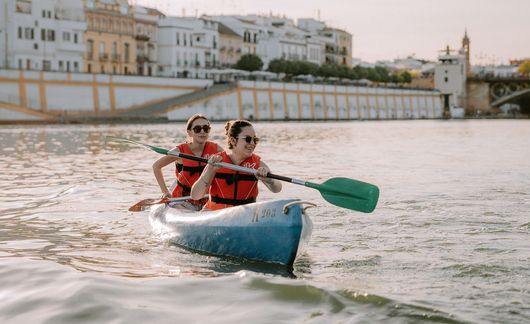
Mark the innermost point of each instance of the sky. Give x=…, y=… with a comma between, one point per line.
x=499, y=30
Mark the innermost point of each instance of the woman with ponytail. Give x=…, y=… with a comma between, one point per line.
x=228, y=187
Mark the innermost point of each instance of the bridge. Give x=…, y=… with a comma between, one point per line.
x=490, y=93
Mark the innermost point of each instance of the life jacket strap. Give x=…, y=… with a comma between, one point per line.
x=233, y=202
x=179, y=166
x=230, y=178
x=186, y=190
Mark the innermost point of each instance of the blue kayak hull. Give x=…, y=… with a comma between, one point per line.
x=263, y=231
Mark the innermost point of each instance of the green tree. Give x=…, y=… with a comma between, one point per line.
x=359, y=72
x=249, y=62
x=278, y=66
x=405, y=77
x=524, y=68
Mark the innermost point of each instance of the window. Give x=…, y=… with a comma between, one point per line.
x=19, y=32
x=126, y=54
x=43, y=34
x=102, y=54
x=51, y=35
x=178, y=38
x=75, y=38
x=27, y=33
x=66, y=36
x=76, y=67
x=90, y=48
x=61, y=66
x=46, y=65
x=67, y=66
x=446, y=79
x=20, y=64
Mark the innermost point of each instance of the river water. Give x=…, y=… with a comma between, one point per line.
x=449, y=241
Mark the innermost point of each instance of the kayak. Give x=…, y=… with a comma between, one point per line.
x=268, y=231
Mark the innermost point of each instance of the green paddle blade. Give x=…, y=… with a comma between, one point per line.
x=348, y=193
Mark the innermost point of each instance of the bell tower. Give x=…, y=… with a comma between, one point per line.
x=466, y=47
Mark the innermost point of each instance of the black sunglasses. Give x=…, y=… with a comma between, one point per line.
x=249, y=139
x=205, y=128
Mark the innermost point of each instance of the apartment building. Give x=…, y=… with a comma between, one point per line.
x=187, y=46
x=110, y=37
x=337, y=44
x=145, y=33
x=245, y=27
x=42, y=35
x=230, y=45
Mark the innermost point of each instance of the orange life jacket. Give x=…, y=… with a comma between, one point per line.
x=233, y=188
x=189, y=171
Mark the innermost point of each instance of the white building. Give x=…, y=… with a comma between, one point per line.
x=246, y=28
x=499, y=71
x=336, y=44
x=272, y=38
x=42, y=35
x=187, y=47
x=450, y=77
x=284, y=40
x=409, y=64
x=311, y=25
x=146, y=27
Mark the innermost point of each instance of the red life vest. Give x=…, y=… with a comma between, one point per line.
x=233, y=188
x=189, y=171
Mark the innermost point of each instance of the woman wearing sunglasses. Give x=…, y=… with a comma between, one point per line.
x=188, y=171
x=228, y=187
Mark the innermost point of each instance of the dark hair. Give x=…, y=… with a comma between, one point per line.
x=233, y=129
x=194, y=118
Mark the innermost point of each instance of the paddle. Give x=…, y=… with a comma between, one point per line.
x=342, y=192
x=143, y=204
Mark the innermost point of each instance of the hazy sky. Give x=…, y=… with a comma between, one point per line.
x=386, y=29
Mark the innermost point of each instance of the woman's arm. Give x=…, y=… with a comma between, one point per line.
x=273, y=185
x=157, y=170
x=201, y=186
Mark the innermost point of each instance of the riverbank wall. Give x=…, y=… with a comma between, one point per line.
x=35, y=96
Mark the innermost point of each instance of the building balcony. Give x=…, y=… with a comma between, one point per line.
x=115, y=57
x=103, y=56
x=144, y=38
x=142, y=59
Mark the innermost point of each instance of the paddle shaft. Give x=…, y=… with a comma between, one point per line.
x=234, y=167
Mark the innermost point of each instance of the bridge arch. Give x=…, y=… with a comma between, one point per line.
x=514, y=96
